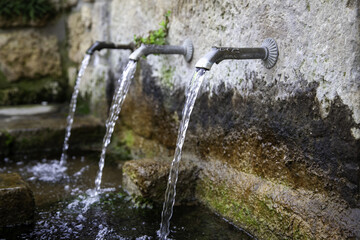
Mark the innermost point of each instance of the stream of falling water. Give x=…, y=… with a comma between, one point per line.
x=115, y=109
x=170, y=193
x=72, y=108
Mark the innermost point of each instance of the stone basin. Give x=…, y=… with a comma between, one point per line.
x=39, y=129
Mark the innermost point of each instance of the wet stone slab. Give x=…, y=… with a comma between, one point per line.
x=17, y=204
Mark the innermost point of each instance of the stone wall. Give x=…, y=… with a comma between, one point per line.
x=278, y=148
x=39, y=58
x=87, y=24
x=32, y=63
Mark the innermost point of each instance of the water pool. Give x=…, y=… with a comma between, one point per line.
x=63, y=209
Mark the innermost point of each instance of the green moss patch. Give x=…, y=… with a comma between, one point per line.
x=83, y=105
x=167, y=74
x=6, y=142
x=255, y=215
x=120, y=148
x=3, y=81
x=33, y=91
x=129, y=138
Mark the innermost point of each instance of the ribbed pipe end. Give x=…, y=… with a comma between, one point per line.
x=272, y=52
x=189, y=50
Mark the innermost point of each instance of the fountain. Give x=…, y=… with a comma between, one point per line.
x=268, y=53
x=97, y=46
x=120, y=93
x=273, y=151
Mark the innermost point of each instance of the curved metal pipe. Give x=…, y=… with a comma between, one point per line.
x=186, y=49
x=268, y=53
x=98, y=45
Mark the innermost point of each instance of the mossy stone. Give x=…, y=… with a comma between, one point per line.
x=17, y=203
x=30, y=91
x=148, y=179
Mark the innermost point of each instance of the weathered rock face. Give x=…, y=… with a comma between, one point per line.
x=30, y=68
x=17, y=203
x=86, y=26
x=79, y=36
x=28, y=54
x=278, y=148
x=258, y=151
x=308, y=50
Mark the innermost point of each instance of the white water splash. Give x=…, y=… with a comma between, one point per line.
x=191, y=94
x=103, y=232
x=53, y=171
x=72, y=108
x=115, y=109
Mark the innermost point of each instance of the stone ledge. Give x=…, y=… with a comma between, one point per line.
x=266, y=209
x=148, y=178
x=274, y=211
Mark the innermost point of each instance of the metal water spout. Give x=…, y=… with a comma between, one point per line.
x=268, y=52
x=185, y=49
x=98, y=45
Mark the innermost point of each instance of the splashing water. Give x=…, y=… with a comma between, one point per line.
x=115, y=109
x=170, y=193
x=72, y=108
x=48, y=171
x=60, y=212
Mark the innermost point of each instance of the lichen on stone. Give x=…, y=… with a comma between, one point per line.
x=167, y=74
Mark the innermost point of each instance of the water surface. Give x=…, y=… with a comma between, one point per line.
x=60, y=206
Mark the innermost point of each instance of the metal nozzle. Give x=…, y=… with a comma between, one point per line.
x=268, y=53
x=97, y=46
x=186, y=49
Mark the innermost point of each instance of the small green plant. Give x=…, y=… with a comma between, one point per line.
x=27, y=9
x=156, y=37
